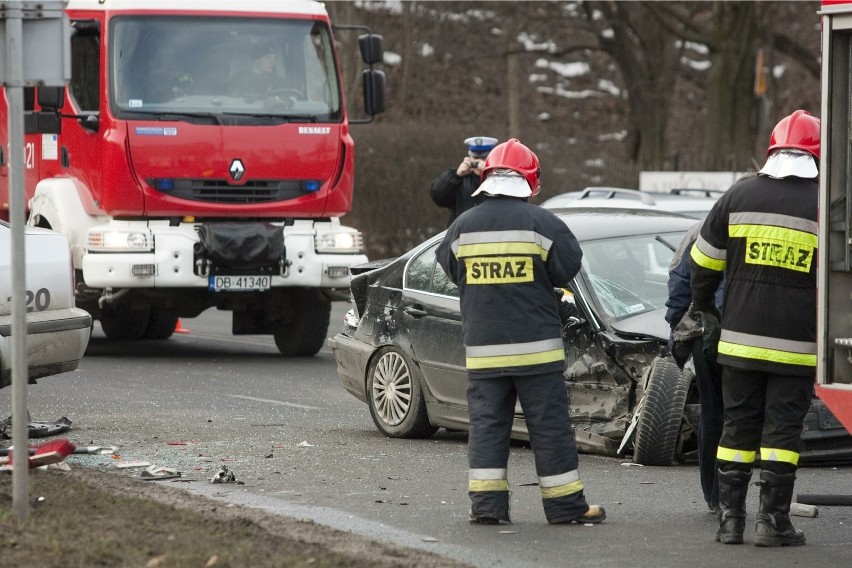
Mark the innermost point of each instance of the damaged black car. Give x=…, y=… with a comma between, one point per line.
x=401, y=350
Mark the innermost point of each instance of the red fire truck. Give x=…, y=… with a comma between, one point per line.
x=200, y=156
x=834, y=317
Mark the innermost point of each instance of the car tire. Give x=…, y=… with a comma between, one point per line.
x=124, y=323
x=306, y=333
x=659, y=426
x=161, y=324
x=395, y=396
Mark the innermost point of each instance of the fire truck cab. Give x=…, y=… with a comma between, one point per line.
x=200, y=157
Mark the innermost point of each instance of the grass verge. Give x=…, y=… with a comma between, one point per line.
x=88, y=518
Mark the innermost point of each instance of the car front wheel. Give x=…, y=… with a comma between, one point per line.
x=659, y=426
x=395, y=396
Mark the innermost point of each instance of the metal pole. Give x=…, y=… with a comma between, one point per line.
x=17, y=220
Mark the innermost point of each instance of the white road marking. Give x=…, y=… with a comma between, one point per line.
x=281, y=402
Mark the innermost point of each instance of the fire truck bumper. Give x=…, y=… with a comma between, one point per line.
x=172, y=262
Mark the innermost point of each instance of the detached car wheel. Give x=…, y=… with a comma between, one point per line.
x=395, y=396
x=659, y=426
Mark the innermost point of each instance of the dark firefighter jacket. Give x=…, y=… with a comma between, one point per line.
x=507, y=256
x=763, y=233
x=454, y=192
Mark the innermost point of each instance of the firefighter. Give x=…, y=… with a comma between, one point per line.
x=454, y=189
x=507, y=256
x=763, y=234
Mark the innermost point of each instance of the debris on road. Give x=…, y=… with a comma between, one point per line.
x=38, y=428
x=802, y=510
x=223, y=476
x=44, y=454
x=156, y=472
x=124, y=464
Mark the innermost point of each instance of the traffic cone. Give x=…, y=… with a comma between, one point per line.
x=179, y=327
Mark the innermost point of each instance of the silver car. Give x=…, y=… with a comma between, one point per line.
x=57, y=331
x=692, y=203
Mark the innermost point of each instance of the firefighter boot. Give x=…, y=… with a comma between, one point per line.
x=733, y=486
x=773, y=527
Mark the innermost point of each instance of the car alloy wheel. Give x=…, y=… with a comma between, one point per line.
x=395, y=397
x=391, y=390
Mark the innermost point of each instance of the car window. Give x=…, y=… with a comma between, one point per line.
x=629, y=275
x=426, y=275
x=418, y=274
x=441, y=283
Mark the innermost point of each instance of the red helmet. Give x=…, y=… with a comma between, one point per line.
x=513, y=155
x=799, y=131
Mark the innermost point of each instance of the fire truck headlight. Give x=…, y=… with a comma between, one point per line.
x=339, y=241
x=112, y=240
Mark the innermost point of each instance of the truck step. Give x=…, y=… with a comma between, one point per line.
x=843, y=342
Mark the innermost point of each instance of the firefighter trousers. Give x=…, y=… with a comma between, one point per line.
x=764, y=414
x=544, y=401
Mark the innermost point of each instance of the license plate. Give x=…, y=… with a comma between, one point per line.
x=239, y=283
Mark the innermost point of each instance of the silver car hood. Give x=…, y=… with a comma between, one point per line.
x=652, y=324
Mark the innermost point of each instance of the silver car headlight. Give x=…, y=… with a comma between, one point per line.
x=117, y=240
x=341, y=240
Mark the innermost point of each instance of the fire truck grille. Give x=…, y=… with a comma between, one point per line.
x=220, y=191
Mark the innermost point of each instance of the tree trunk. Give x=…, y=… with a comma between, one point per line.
x=728, y=134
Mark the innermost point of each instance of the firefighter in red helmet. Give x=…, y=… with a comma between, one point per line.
x=763, y=234
x=507, y=256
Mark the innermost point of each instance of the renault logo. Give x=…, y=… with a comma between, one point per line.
x=237, y=170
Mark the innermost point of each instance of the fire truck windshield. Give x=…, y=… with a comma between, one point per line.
x=201, y=66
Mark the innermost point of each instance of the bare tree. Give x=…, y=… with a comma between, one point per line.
x=733, y=33
x=647, y=56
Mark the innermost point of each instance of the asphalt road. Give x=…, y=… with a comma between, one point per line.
x=301, y=446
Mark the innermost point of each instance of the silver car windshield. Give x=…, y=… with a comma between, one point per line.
x=170, y=67
x=629, y=275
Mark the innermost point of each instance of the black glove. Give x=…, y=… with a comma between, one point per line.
x=711, y=332
x=684, y=334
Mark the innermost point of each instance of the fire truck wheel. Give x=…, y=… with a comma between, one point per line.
x=161, y=324
x=659, y=426
x=124, y=323
x=306, y=333
x=395, y=396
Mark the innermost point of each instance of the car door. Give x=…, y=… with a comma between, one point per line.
x=431, y=307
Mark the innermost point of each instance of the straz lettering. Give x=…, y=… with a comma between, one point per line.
x=499, y=269
x=782, y=254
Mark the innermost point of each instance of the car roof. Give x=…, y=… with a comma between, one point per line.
x=589, y=223
x=599, y=197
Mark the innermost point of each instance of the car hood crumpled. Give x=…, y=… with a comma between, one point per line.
x=650, y=324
